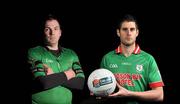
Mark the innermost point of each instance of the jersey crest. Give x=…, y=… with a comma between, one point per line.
x=139, y=68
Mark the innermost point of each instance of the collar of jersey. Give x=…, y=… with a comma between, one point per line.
x=137, y=50
x=59, y=46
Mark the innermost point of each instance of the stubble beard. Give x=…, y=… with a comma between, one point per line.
x=127, y=44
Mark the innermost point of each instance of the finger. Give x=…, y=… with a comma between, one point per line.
x=98, y=97
x=91, y=93
x=115, y=94
x=45, y=67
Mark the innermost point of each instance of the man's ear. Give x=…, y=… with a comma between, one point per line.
x=137, y=32
x=118, y=32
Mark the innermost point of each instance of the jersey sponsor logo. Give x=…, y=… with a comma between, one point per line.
x=126, y=63
x=113, y=66
x=48, y=61
x=127, y=78
x=103, y=81
x=139, y=68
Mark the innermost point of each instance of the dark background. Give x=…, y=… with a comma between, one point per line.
x=89, y=29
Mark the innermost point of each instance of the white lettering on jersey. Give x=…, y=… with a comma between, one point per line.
x=48, y=61
x=126, y=63
x=113, y=65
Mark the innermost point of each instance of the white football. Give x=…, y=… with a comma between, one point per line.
x=101, y=82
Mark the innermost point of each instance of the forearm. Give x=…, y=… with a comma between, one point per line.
x=75, y=83
x=45, y=82
x=75, y=79
x=151, y=95
x=58, y=79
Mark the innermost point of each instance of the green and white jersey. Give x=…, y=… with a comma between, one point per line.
x=67, y=59
x=137, y=72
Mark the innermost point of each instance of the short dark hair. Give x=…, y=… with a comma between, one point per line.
x=44, y=18
x=128, y=18
x=50, y=17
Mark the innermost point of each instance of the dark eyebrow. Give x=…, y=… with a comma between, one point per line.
x=50, y=27
x=133, y=28
x=57, y=26
x=125, y=28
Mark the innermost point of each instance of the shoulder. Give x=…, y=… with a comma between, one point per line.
x=146, y=55
x=36, y=49
x=110, y=54
x=68, y=51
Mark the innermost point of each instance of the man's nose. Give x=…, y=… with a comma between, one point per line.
x=128, y=32
x=51, y=32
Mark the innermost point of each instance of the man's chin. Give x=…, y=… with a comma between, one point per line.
x=51, y=43
x=128, y=44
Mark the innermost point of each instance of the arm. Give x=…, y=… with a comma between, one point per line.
x=155, y=94
x=42, y=83
x=43, y=76
x=77, y=81
x=66, y=78
x=155, y=83
x=52, y=79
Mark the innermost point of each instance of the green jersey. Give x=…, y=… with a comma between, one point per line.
x=67, y=59
x=136, y=72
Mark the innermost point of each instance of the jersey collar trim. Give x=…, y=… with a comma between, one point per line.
x=137, y=50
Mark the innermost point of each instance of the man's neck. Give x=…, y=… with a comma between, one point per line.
x=53, y=47
x=127, y=50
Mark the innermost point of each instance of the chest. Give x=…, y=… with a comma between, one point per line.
x=58, y=64
x=131, y=64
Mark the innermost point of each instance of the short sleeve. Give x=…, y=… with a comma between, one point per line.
x=154, y=76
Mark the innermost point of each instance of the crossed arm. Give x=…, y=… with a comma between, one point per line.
x=66, y=79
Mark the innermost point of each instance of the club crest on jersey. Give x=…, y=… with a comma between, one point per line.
x=139, y=68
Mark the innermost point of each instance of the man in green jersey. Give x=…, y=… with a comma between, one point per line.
x=137, y=74
x=56, y=70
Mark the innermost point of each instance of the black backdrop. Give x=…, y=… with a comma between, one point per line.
x=88, y=29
